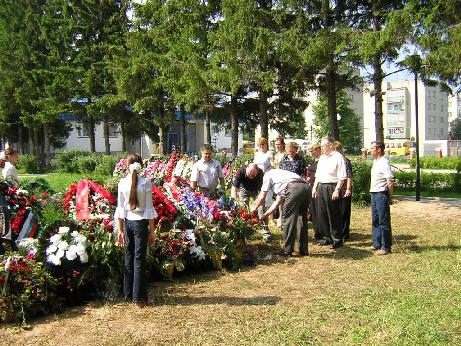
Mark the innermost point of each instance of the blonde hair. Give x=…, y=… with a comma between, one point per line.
x=293, y=145
x=262, y=140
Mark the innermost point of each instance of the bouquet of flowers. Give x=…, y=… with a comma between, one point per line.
x=67, y=246
x=120, y=170
x=26, y=289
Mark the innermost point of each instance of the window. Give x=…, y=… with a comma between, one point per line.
x=441, y=132
x=441, y=120
x=83, y=130
x=441, y=108
x=113, y=131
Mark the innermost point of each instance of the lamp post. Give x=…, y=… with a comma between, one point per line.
x=418, y=168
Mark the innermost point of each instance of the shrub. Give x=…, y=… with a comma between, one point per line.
x=87, y=163
x=105, y=165
x=28, y=163
x=430, y=182
x=428, y=162
x=361, y=180
x=66, y=162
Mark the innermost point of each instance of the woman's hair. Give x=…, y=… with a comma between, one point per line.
x=262, y=140
x=293, y=145
x=338, y=146
x=280, y=139
x=10, y=151
x=130, y=160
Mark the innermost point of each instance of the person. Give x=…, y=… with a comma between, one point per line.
x=293, y=194
x=4, y=209
x=279, y=152
x=277, y=157
x=9, y=170
x=346, y=193
x=263, y=158
x=292, y=161
x=247, y=184
x=135, y=214
x=382, y=186
x=207, y=173
x=315, y=151
x=329, y=179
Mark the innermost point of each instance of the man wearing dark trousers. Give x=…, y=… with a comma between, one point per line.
x=329, y=179
x=293, y=194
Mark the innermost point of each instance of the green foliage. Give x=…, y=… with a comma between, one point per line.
x=66, y=161
x=37, y=187
x=361, y=180
x=29, y=164
x=52, y=213
x=455, y=129
x=430, y=182
x=447, y=162
x=87, y=163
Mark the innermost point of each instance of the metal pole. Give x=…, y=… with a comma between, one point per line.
x=418, y=168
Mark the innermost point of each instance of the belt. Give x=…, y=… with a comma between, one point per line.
x=327, y=183
x=297, y=181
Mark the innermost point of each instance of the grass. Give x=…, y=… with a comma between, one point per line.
x=344, y=297
x=59, y=182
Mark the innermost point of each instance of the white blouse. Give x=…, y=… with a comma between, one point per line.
x=145, y=209
x=10, y=174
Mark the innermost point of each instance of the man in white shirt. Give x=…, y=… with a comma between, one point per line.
x=382, y=185
x=293, y=194
x=329, y=178
x=207, y=173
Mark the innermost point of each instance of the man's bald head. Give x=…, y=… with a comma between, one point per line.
x=251, y=170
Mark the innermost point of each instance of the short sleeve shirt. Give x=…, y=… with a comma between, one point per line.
x=380, y=173
x=207, y=174
x=248, y=184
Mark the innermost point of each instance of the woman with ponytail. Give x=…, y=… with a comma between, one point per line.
x=135, y=214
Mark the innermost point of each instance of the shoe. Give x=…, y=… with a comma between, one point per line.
x=373, y=248
x=324, y=243
x=336, y=245
x=142, y=305
x=382, y=253
x=303, y=254
x=285, y=254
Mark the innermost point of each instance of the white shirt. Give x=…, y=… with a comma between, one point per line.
x=331, y=168
x=145, y=209
x=276, y=180
x=263, y=160
x=207, y=174
x=10, y=174
x=380, y=173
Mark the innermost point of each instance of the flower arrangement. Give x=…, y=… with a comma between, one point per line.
x=26, y=289
x=164, y=208
x=120, y=169
x=66, y=245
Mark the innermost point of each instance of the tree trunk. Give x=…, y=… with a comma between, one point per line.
x=46, y=133
x=208, y=127
x=123, y=133
x=377, y=85
x=37, y=146
x=234, y=126
x=92, y=135
x=31, y=140
x=263, y=116
x=21, y=142
x=106, y=135
x=333, y=128
x=182, y=129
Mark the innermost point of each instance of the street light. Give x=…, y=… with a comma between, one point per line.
x=418, y=168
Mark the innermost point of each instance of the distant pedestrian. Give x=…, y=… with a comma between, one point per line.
x=315, y=151
x=382, y=186
x=9, y=170
x=346, y=194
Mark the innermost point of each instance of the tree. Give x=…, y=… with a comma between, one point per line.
x=455, y=129
x=349, y=122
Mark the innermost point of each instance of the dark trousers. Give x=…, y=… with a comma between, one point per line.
x=134, y=279
x=6, y=220
x=329, y=218
x=346, y=208
x=381, y=220
x=313, y=212
x=297, y=199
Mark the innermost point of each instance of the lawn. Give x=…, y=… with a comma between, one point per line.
x=343, y=297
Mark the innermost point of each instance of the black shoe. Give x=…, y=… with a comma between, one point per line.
x=324, y=243
x=336, y=245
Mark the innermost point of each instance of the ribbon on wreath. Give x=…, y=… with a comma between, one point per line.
x=82, y=198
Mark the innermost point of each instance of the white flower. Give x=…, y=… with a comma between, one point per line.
x=63, y=245
x=55, y=238
x=71, y=253
x=51, y=249
x=80, y=249
x=22, y=192
x=80, y=238
x=60, y=253
x=63, y=230
x=54, y=259
x=84, y=258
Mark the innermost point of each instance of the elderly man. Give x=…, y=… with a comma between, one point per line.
x=329, y=179
x=207, y=173
x=247, y=184
x=293, y=193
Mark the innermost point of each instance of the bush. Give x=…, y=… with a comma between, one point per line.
x=105, y=165
x=430, y=182
x=87, y=163
x=28, y=163
x=428, y=162
x=361, y=180
x=66, y=162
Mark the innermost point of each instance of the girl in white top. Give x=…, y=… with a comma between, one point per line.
x=135, y=214
x=9, y=170
x=263, y=158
